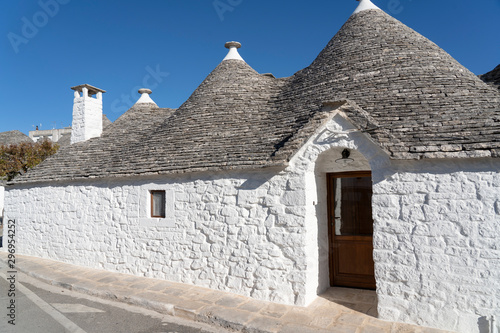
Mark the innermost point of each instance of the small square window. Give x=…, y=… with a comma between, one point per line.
x=158, y=204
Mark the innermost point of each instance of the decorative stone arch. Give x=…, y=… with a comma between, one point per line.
x=326, y=164
x=317, y=158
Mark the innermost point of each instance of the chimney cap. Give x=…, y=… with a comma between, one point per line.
x=145, y=91
x=145, y=98
x=92, y=90
x=229, y=45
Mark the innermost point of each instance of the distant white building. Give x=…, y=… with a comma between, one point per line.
x=54, y=135
x=377, y=166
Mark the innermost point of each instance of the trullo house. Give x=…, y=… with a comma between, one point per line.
x=375, y=167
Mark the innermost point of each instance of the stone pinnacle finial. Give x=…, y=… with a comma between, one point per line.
x=233, y=51
x=145, y=99
x=365, y=5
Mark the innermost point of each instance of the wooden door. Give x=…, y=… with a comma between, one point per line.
x=351, y=229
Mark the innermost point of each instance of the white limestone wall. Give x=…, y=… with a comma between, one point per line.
x=437, y=243
x=227, y=231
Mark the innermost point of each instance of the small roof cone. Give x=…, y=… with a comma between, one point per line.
x=233, y=51
x=365, y=5
x=145, y=99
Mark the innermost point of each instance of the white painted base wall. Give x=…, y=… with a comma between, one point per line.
x=437, y=243
x=264, y=233
x=229, y=232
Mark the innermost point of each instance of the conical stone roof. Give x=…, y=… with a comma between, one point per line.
x=425, y=103
x=13, y=138
x=409, y=95
x=492, y=77
x=228, y=122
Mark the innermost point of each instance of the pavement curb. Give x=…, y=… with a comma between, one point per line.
x=160, y=307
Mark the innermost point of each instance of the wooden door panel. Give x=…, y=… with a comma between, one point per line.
x=353, y=262
x=351, y=230
x=361, y=250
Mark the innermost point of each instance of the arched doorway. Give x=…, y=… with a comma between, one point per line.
x=345, y=223
x=350, y=229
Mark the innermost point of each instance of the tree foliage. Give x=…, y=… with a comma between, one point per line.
x=17, y=159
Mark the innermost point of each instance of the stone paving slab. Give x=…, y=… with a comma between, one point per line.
x=334, y=311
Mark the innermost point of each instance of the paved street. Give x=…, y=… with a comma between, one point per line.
x=43, y=308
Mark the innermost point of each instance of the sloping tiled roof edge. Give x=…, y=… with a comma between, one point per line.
x=19, y=181
x=355, y=114
x=492, y=77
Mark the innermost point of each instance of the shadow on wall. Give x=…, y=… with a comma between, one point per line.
x=487, y=325
x=259, y=179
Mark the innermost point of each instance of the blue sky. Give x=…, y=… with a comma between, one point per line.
x=48, y=46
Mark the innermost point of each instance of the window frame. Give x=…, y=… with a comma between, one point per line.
x=164, y=204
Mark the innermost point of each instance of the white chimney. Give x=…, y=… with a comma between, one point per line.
x=87, y=113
